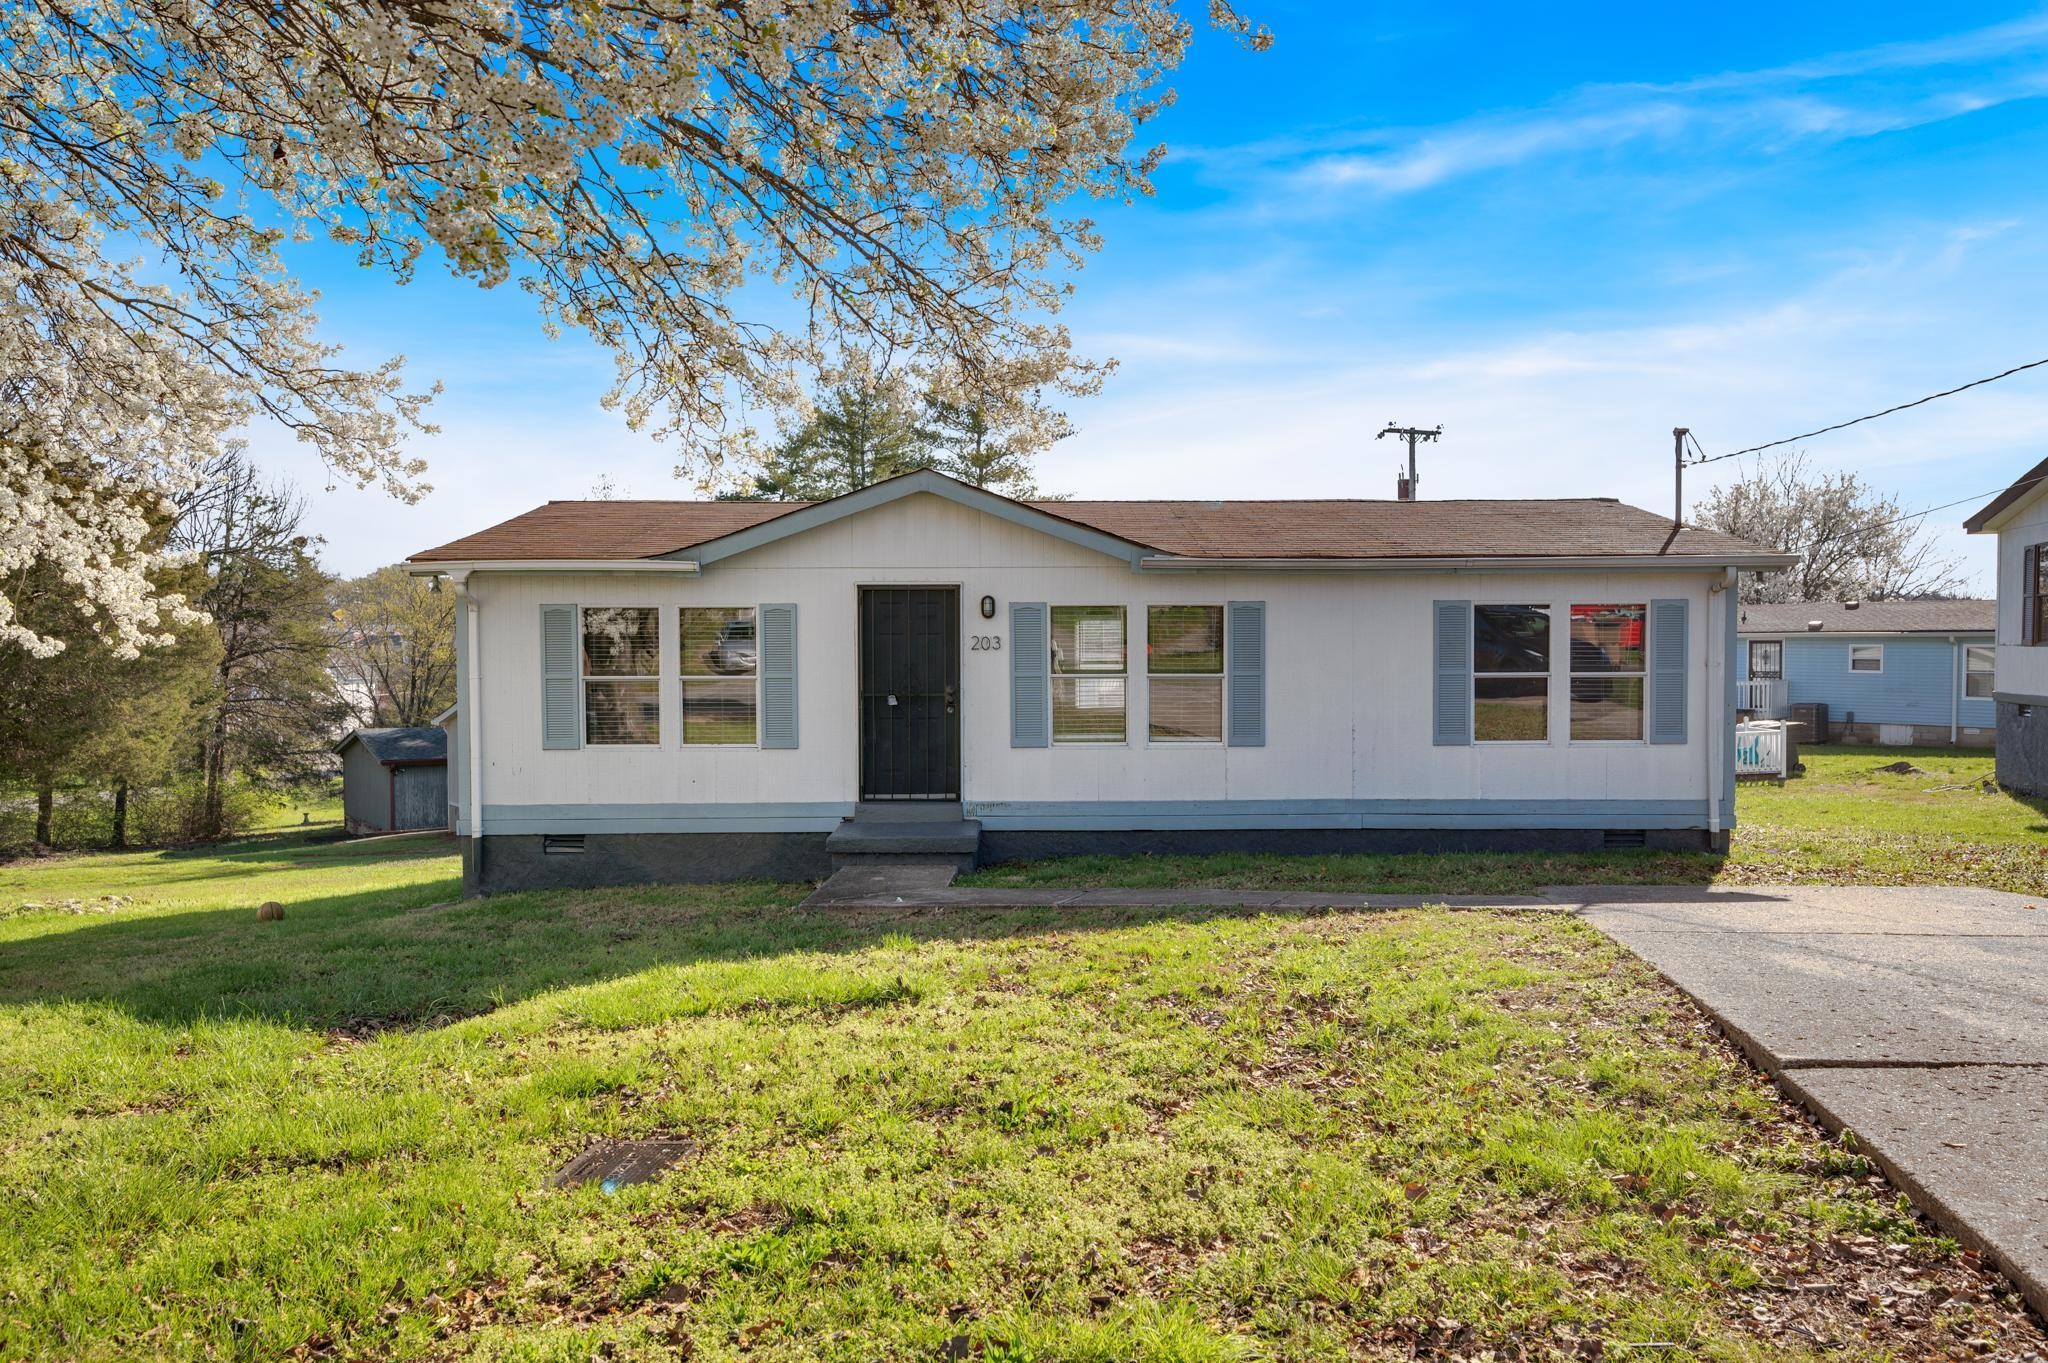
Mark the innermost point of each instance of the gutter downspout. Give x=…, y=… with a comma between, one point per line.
x=1955, y=690
x=1724, y=713
x=474, y=809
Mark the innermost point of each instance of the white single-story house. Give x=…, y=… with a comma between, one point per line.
x=2019, y=517
x=1892, y=672
x=671, y=690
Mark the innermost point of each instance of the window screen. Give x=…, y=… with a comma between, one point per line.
x=1607, y=671
x=621, y=667
x=720, y=665
x=1511, y=674
x=1184, y=660
x=1090, y=664
x=1866, y=658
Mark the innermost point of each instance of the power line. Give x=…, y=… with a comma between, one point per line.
x=1706, y=458
x=1929, y=511
x=1960, y=501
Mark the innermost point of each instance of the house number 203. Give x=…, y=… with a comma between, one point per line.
x=985, y=643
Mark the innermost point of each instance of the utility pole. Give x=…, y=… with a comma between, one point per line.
x=1678, y=435
x=1405, y=487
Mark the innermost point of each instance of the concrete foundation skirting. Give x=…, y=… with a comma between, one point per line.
x=524, y=861
x=534, y=861
x=1917, y=735
x=2023, y=747
x=1023, y=844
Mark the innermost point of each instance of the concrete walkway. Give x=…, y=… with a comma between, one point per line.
x=1915, y=1018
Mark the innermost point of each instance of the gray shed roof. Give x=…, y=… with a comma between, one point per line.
x=394, y=747
x=1872, y=617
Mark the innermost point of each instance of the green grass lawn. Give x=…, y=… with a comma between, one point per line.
x=1077, y=1136
x=1843, y=821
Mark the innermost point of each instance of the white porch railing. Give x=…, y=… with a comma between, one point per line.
x=1760, y=749
x=1761, y=696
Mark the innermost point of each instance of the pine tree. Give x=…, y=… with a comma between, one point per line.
x=857, y=434
x=970, y=443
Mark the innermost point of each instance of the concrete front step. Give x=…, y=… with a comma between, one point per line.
x=856, y=838
x=954, y=843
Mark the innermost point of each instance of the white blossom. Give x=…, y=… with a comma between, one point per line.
x=643, y=169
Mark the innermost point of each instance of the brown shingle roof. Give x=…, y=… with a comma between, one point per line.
x=1872, y=617
x=1567, y=527
x=601, y=530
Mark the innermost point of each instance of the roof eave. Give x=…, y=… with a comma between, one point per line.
x=1969, y=631
x=1470, y=563
x=675, y=567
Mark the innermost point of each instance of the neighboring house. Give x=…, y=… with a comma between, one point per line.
x=2019, y=517
x=656, y=690
x=394, y=779
x=1891, y=672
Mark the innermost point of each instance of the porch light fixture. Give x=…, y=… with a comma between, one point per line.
x=988, y=608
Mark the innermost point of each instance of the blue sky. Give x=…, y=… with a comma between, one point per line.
x=1557, y=232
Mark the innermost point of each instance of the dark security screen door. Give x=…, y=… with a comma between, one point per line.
x=909, y=693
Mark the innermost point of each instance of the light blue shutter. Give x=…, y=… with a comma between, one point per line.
x=561, y=720
x=1452, y=712
x=1244, y=622
x=778, y=676
x=1668, y=634
x=1030, y=675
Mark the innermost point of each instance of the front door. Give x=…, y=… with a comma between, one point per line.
x=909, y=693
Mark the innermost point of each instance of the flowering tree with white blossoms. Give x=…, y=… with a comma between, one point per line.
x=642, y=167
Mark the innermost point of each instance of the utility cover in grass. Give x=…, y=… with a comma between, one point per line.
x=614, y=1164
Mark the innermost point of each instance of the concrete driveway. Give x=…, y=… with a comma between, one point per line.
x=1916, y=1018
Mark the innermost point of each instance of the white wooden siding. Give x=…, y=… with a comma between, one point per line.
x=1348, y=680
x=2022, y=669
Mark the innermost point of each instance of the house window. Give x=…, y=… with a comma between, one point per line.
x=621, y=672
x=1511, y=674
x=1866, y=657
x=1090, y=663
x=720, y=667
x=1979, y=663
x=2033, y=593
x=1607, y=671
x=1184, y=666
x=1766, y=659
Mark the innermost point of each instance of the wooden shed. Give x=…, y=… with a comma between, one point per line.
x=393, y=780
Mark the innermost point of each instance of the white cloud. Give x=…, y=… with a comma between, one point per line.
x=1542, y=411
x=1761, y=112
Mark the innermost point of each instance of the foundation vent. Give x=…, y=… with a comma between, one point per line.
x=560, y=844
x=1615, y=839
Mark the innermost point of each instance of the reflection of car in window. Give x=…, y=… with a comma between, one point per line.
x=735, y=650
x=1511, y=639
x=1589, y=662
